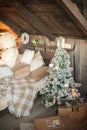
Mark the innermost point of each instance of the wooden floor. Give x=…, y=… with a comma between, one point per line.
x=70, y=125
x=9, y=122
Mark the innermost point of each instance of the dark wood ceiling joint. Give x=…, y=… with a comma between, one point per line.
x=7, y=9
x=32, y=19
x=9, y=22
x=73, y=12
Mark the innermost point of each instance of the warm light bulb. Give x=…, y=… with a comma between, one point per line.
x=74, y=94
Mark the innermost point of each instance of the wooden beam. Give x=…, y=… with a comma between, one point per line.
x=84, y=9
x=7, y=9
x=80, y=1
x=10, y=23
x=23, y=24
x=35, y=8
x=71, y=36
x=2, y=30
x=73, y=11
x=32, y=19
x=44, y=7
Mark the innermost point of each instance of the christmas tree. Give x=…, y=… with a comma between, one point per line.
x=60, y=86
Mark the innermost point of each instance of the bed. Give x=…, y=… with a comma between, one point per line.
x=19, y=85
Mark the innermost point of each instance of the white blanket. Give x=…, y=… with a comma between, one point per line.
x=3, y=103
x=5, y=71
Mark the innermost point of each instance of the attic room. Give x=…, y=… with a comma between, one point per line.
x=43, y=64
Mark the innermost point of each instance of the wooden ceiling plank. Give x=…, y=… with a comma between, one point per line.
x=10, y=23
x=80, y=1
x=49, y=18
x=32, y=19
x=23, y=24
x=44, y=7
x=7, y=9
x=35, y=8
x=74, y=13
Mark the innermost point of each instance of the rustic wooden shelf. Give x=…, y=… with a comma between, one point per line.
x=49, y=47
x=44, y=46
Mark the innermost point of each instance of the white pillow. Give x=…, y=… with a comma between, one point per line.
x=7, y=40
x=27, y=56
x=5, y=72
x=37, y=62
x=9, y=56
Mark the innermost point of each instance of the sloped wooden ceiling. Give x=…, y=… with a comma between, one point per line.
x=44, y=17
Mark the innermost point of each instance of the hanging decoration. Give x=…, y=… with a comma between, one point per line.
x=25, y=38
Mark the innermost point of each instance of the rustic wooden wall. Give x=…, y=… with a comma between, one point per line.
x=78, y=58
x=79, y=63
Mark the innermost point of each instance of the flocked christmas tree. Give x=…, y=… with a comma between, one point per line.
x=60, y=86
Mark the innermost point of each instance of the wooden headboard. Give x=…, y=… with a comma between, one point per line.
x=47, y=56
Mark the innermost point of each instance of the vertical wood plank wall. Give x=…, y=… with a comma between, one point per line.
x=81, y=64
x=79, y=58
